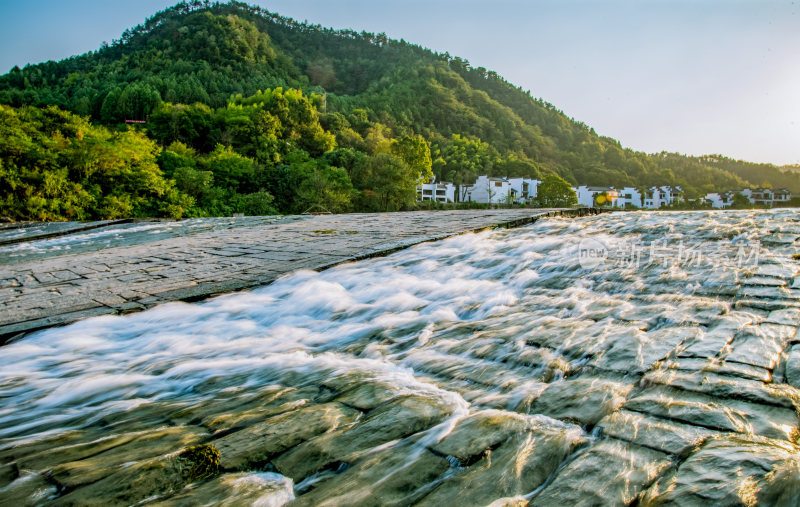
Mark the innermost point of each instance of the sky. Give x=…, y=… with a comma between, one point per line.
x=689, y=76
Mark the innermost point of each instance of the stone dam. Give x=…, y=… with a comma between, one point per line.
x=646, y=358
x=53, y=274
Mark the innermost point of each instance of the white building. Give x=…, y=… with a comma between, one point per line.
x=764, y=196
x=781, y=197
x=524, y=189
x=758, y=195
x=674, y=194
x=490, y=190
x=495, y=190
x=720, y=201
x=588, y=196
x=767, y=196
x=439, y=192
x=660, y=197
x=652, y=198
x=629, y=197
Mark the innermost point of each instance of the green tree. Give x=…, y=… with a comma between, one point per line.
x=297, y=119
x=555, y=192
x=416, y=153
x=391, y=184
x=740, y=201
x=176, y=155
x=230, y=170
x=136, y=101
x=193, y=182
x=327, y=187
x=190, y=125
x=56, y=166
x=259, y=203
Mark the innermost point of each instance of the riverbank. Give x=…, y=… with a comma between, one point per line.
x=50, y=281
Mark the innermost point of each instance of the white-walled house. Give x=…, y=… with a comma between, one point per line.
x=659, y=197
x=490, y=190
x=629, y=197
x=497, y=190
x=524, y=189
x=587, y=195
x=675, y=194
x=618, y=198
x=758, y=195
x=485, y=190
x=714, y=199
x=781, y=196
x=652, y=198
x=439, y=192
x=765, y=196
x=718, y=200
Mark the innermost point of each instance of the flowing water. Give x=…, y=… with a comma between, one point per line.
x=629, y=357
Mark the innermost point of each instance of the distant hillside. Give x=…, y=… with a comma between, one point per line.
x=374, y=96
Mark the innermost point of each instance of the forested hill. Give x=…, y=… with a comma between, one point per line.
x=249, y=111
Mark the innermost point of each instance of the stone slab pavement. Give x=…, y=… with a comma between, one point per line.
x=58, y=290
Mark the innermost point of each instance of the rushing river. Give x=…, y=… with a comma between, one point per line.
x=628, y=357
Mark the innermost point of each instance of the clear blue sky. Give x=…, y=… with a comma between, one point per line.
x=692, y=76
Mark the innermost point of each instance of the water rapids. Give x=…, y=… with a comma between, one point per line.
x=629, y=357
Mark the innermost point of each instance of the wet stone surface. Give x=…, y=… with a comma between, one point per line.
x=106, y=268
x=484, y=369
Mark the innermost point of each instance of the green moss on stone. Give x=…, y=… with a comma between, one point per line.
x=199, y=462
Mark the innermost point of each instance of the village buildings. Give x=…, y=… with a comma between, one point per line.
x=502, y=190
x=760, y=196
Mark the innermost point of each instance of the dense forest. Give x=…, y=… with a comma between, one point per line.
x=213, y=109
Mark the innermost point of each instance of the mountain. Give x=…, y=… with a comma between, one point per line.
x=252, y=112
